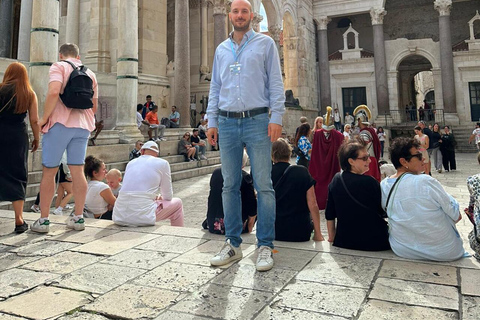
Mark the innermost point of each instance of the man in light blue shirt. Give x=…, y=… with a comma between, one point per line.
x=246, y=85
x=174, y=118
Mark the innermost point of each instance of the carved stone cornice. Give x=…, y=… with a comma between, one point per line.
x=377, y=15
x=323, y=22
x=219, y=8
x=443, y=7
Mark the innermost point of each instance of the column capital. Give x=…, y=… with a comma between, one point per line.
x=205, y=3
x=275, y=31
x=323, y=22
x=219, y=8
x=257, y=18
x=377, y=15
x=443, y=7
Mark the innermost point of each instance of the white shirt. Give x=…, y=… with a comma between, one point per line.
x=336, y=116
x=94, y=203
x=421, y=218
x=139, y=119
x=476, y=132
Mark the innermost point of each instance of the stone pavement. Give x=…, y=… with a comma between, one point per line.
x=163, y=272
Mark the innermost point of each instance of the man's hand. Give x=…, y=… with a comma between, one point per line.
x=212, y=135
x=274, y=131
x=35, y=145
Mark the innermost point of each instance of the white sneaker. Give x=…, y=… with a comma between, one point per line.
x=227, y=254
x=41, y=227
x=78, y=225
x=264, y=259
x=35, y=208
x=163, y=139
x=202, y=157
x=58, y=211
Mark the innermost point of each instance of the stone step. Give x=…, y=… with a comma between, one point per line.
x=191, y=173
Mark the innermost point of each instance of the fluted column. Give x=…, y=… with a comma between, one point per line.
x=73, y=21
x=204, y=68
x=6, y=16
x=257, y=18
x=324, y=65
x=127, y=70
x=182, y=61
x=98, y=54
x=23, y=52
x=219, y=16
x=446, y=56
x=43, y=46
x=380, y=61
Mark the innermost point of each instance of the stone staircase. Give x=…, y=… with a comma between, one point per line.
x=115, y=155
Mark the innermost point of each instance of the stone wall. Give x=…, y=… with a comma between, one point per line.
x=466, y=70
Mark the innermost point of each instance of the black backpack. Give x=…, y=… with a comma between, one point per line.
x=78, y=92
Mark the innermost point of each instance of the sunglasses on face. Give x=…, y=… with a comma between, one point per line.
x=363, y=158
x=419, y=156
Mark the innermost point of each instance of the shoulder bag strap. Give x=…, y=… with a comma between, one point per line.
x=282, y=177
x=391, y=190
x=9, y=101
x=350, y=195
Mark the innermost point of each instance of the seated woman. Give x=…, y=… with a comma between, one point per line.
x=473, y=212
x=185, y=148
x=295, y=198
x=214, y=222
x=100, y=199
x=354, y=201
x=421, y=215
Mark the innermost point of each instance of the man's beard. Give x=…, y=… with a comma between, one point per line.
x=244, y=28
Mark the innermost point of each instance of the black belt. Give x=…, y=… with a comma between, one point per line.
x=243, y=114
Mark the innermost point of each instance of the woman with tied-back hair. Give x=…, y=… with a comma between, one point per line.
x=303, y=144
x=16, y=99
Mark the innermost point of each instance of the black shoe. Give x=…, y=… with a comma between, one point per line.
x=21, y=228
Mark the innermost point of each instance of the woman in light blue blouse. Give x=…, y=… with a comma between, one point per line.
x=303, y=144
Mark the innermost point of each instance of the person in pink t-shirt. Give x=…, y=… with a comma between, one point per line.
x=63, y=129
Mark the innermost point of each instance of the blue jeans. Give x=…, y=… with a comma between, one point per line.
x=236, y=134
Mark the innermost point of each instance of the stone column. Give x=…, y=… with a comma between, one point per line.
x=324, y=65
x=6, y=15
x=257, y=18
x=446, y=59
x=204, y=68
x=219, y=28
x=380, y=61
x=182, y=61
x=275, y=31
x=23, y=52
x=73, y=21
x=98, y=54
x=127, y=70
x=43, y=46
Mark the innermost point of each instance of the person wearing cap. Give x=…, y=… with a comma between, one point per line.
x=369, y=136
x=147, y=195
x=246, y=86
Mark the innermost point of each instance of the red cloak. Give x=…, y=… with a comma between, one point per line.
x=324, y=162
x=374, y=169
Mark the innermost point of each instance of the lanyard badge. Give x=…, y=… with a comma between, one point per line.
x=236, y=68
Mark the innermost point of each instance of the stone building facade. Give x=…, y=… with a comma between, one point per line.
x=335, y=52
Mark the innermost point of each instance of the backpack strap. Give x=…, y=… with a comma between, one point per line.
x=350, y=195
x=70, y=63
x=282, y=177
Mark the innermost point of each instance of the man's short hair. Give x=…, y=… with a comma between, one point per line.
x=139, y=107
x=281, y=150
x=69, y=50
x=195, y=130
x=303, y=119
x=148, y=96
x=174, y=107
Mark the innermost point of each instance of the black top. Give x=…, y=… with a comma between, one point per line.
x=293, y=221
x=428, y=132
x=215, y=205
x=448, y=142
x=7, y=114
x=434, y=139
x=194, y=139
x=357, y=228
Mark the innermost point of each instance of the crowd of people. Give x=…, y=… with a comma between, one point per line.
x=335, y=172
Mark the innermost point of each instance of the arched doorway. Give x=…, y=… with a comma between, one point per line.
x=415, y=80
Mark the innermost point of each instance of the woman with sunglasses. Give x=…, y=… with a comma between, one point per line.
x=353, y=212
x=185, y=148
x=421, y=215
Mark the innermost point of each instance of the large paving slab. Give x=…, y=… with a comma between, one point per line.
x=470, y=308
x=98, y=278
x=133, y=302
x=382, y=310
x=284, y=258
x=171, y=244
x=15, y=281
x=140, y=258
x=416, y=293
x=44, y=248
x=277, y=313
x=36, y=304
x=64, y=262
x=421, y=272
x=10, y=260
x=470, y=282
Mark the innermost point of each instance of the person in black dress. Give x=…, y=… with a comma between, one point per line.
x=16, y=99
x=448, y=149
x=354, y=203
x=297, y=213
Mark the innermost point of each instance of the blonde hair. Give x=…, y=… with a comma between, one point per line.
x=115, y=172
x=315, y=128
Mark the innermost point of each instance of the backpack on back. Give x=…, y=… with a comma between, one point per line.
x=78, y=92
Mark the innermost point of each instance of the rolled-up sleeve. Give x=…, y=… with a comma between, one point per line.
x=275, y=84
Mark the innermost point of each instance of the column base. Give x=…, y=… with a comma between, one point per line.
x=129, y=134
x=386, y=120
x=450, y=119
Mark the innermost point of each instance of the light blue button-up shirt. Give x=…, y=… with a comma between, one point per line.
x=259, y=83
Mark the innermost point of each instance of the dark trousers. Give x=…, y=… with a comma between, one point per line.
x=449, y=160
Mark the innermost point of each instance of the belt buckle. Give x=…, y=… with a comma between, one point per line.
x=244, y=114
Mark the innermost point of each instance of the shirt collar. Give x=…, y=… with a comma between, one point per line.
x=246, y=36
